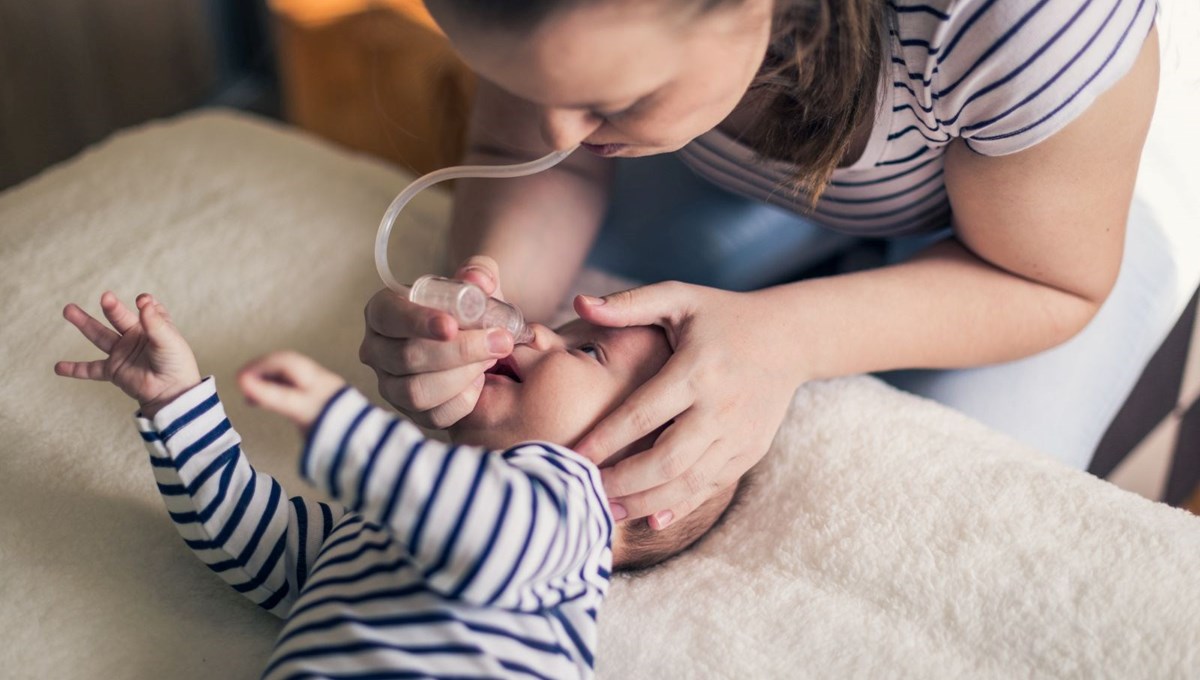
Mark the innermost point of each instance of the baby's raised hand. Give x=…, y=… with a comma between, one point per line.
x=147, y=356
x=290, y=384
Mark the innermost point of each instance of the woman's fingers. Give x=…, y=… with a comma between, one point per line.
x=120, y=316
x=673, y=456
x=670, y=502
x=652, y=405
x=661, y=304
x=408, y=357
x=455, y=393
x=425, y=391
x=391, y=316
x=100, y=335
x=445, y=415
x=482, y=271
x=425, y=364
x=84, y=370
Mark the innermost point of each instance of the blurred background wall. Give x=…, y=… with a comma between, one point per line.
x=73, y=71
x=376, y=76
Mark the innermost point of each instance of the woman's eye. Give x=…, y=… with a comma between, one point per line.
x=592, y=350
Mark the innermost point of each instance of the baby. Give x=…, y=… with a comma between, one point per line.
x=489, y=557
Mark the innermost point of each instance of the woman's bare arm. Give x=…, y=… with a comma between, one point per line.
x=538, y=228
x=1040, y=237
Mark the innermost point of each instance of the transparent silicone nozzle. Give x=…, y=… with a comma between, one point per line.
x=462, y=300
x=503, y=315
x=467, y=303
x=469, y=306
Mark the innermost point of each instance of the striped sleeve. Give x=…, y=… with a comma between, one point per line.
x=523, y=529
x=236, y=519
x=1008, y=75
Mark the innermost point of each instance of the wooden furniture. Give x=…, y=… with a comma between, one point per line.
x=376, y=76
x=72, y=72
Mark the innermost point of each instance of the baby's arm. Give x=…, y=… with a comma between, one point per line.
x=237, y=520
x=233, y=517
x=522, y=529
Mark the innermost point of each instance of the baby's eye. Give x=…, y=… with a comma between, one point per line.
x=590, y=349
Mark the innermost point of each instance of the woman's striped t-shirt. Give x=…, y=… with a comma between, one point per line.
x=438, y=561
x=1002, y=75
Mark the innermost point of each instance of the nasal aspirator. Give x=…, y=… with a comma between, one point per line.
x=466, y=302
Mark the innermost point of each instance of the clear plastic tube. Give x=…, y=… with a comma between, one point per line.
x=456, y=297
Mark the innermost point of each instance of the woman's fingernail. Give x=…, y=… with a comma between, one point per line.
x=593, y=301
x=664, y=518
x=497, y=342
x=478, y=382
x=435, y=327
x=618, y=512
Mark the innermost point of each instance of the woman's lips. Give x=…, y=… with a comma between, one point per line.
x=604, y=149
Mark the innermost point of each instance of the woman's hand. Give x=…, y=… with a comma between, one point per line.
x=426, y=366
x=147, y=356
x=724, y=393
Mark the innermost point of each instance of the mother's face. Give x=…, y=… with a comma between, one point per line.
x=623, y=77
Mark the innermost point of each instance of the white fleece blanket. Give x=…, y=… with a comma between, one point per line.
x=884, y=536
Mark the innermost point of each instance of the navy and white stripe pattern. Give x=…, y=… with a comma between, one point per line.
x=1001, y=75
x=438, y=561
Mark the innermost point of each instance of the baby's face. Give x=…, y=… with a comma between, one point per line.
x=559, y=386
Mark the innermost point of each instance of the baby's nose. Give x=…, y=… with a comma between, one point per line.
x=544, y=338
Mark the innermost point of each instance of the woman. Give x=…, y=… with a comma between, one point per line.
x=1008, y=134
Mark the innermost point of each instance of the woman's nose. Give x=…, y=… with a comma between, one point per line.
x=566, y=128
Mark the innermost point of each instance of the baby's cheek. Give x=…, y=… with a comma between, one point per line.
x=543, y=412
x=489, y=424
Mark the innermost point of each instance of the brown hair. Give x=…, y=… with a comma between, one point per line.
x=820, y=75
x=644, y=547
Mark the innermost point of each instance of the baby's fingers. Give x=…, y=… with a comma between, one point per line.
x=289, y=384
x=117, y=313
x=146, y=299
x=286, y=368
x=100, y=335
x=84, y=370
x=153, y=317
x=268, y=393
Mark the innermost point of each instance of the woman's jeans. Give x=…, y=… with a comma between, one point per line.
x=667, y=223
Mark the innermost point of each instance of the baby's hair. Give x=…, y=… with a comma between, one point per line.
x=644, y=547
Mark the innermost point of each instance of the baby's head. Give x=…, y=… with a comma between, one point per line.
x=557, y=387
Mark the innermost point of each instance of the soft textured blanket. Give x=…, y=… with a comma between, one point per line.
x=884, y=536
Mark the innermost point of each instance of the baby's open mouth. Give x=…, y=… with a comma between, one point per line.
x=506, y=367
